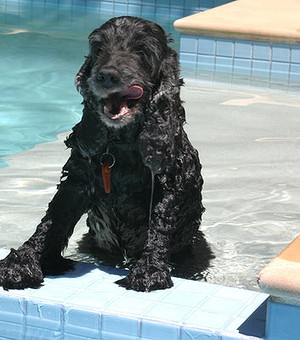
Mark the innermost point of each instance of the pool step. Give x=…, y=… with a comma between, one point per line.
x=281, y=279
x=87, y=304
x=256, y=40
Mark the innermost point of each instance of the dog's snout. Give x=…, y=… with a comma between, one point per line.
x=108, y=77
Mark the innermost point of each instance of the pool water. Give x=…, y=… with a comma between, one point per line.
x=248, y=140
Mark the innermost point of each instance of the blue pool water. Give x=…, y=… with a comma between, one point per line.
x=41, y=50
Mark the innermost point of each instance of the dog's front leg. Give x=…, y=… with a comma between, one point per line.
x=152, y=272
x=41, y=253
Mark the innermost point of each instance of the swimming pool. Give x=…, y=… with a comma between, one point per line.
x=247, y=138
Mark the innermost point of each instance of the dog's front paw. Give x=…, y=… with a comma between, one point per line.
x=146, y=276
x=20, y=269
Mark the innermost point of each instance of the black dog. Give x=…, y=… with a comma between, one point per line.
x=132, y=168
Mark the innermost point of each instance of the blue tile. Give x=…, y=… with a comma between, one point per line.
x=295, y=69
x=295, y=54
x=207, y=46
x=10, y=330
x=148, y=11
x=281, y=53
x=188, y=58
x=280, y=68
x=242, y=66
x=243, y=49
x=12, y=305
x=168, y=312
x=282, y=321
x=223, y=306
x=261, y=51
x=183, y=298
x=158, y=331
x=260, y=67
x=33, y=332
x=189, y=44
x=195, y=334
x=206, y=320
x=106, y=6
x=86, y=320
x=224, y=64
x=115, y=324
x=38, y=314
x=206, y=4
x=135, y=10
x=224, y=48
x=129, y=306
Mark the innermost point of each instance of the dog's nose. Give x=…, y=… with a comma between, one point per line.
x=108, y=77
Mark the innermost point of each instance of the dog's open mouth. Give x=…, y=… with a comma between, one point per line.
x=120, y=104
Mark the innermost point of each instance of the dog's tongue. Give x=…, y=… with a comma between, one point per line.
x=133, y=92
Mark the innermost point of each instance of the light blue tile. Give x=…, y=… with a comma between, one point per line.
x=189, y=44
x=158, y=331
x=188, y=58
x=207, y=46
x=205, y=62
x=38, y=314
x=84, y=319
x=235, y=294
x=129, y=306
x=10, y=330
x=148, y=11
x=242, y=66
x=281, y=53
x=168, y=312
x=280, y=68
x=202, y=288
x=206, y=320
x=224, y=64
x=33, y=332
x=91, y=299
x=135, y=10
x=295, y=69
x=121, y=9
x=106, y=6
x=12, y=305
x=197, y=334
x=260, y=67
x=116, y=336
x=261, y=51
x=116, y=324
x=224, y=48
x=243, y=49
x=184, y=298
x=295, y=54
x=223, y=306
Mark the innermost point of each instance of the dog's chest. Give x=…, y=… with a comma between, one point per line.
x=119, y=217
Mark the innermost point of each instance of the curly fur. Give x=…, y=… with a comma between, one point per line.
x=150, y=220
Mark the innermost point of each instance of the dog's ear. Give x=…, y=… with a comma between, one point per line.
x=81, y=77
x=164, y=118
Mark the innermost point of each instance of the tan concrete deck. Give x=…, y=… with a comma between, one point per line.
x=281, y=277
x=271, y=20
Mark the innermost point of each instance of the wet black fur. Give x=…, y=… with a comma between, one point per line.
x=151, y=145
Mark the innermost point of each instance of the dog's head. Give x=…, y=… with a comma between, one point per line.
x=124, y=68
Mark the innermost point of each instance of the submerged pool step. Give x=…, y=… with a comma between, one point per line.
x=249, y=39
x=87, y=304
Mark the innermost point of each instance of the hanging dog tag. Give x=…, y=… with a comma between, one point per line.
x=106, y=177
x=107, y=162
